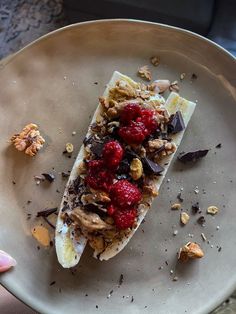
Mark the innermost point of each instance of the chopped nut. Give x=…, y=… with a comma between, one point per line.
x=136, y=169
x=155, y=60
x=184, y=218
x=97, y=243
x=212, y=210
x=190, y=250
x=182, y=76
x=69, y=148
x=174, y=87
x=122, y=91
x=145, y=73
x=150, y=190
x=160, y=86
x=28, y=140
x=176, y=206
x=82, y=168
x=112, y=113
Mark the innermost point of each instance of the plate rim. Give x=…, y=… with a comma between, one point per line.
x=5, y=61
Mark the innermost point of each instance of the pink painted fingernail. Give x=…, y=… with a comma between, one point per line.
x=6, y=261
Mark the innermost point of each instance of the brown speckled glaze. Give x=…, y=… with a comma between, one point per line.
x=51, y=83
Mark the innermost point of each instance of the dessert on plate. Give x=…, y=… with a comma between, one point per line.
x=125, y=155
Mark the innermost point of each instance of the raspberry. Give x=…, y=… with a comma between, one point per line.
x=135, y=133
x=124, y=194
x=111, y=210
x=98, y=177
x=130, y=112
x=147, y=118
x=125, y=218
x=112, y=154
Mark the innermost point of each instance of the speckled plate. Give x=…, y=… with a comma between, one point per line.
x=55, y=82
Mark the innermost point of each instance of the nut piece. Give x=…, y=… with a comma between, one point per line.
x=190, y=250
x=82, y=168
x=69, y=148
x=28, y=140
x=150, y=190
x=182, y=76
x=136, y=169
x=176, y=206
x=155, y=61
x=160, y=86
x=174, y=87
x=184, y=218
x=212, y=210
x=145, y=73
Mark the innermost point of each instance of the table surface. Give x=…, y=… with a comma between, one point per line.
x=20, y=23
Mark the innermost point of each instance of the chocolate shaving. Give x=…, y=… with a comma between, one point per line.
x=151, y=167
x=201, y=220
x=52, y=283
x=179, y=197
x=49, y=223
x=49, y=177
x=46, y=212
x=65, y=175
x=195, y=208
x=121, y=279
x=176, y=123
x=192, y=156
x=219, y=145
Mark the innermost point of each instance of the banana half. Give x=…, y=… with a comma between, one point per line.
x=70, y=246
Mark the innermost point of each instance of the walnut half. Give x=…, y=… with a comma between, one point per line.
x=28, y=140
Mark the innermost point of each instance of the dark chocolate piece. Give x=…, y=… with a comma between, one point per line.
x=219, y=145
x=179, y=197
x=96, y=148
x=176, y=123
x=49, y=177
x=194, y=76
x=201, y=220
x=192, y=156
x=151, y=167
x=65, y=175
x=195, y=208
x=121, y=279
x=46, y=212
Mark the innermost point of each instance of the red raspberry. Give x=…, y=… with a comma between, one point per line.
x=124, y=194
x=148, y=119
x=112, y=154
x=111, y=210
x=135, y=133
x=98, y=177
x=130, y=112
x=125, y=218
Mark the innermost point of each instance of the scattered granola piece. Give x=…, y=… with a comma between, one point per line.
x=73, y=133
x=28, y=140
x=190, y=250
x=180, y=198
x=182, y=76
x=174, y=86
x=145, y=73
x=175, y=278
x=136, y=169
x=176, y=206
x=212, y=210
x=175, y=232
x=155, y=61
x=195, y=208
x=69, y=148
x=184, y=218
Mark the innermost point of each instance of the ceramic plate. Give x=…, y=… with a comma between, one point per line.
x=55, y=82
